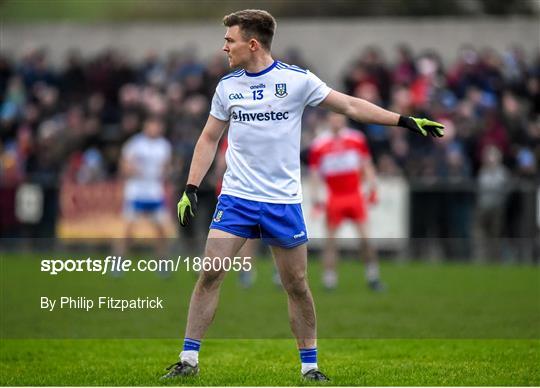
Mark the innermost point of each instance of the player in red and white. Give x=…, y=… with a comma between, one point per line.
x=341, y=157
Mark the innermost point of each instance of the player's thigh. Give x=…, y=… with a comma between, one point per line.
x=331, y=231
x=160, y=220
x=291, y=263
x=222, y=244
x=362, y=230
x=221, y=247
x=335, y=213
x=355, y=208
x=129, y=225
x=249, y=249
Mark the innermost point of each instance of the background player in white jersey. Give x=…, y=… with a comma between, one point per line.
x=262, y=103
x=145, y=163
x=341, y=157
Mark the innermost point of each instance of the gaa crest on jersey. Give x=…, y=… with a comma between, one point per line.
x=281, y=90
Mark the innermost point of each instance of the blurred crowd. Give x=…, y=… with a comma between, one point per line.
x=484, y=98
x=70, y=122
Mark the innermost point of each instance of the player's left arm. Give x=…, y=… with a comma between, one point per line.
x=366, y=112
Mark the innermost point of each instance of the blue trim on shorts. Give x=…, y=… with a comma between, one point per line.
x=276, y=224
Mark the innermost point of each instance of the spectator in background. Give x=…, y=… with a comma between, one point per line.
x=493, y=187
x=533, y=86
x=213, y=73
x=429, y=82
x=72, y=79
x=6, y=72
x=387, y=166
x=44, y=167
x=493, y=133
x=370, y=68
x=490, y=70
x=515, y=70
x=151, y=71
x=34, y=68
x=404, y=71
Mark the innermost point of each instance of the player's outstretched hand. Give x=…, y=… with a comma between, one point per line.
x=422, y=126
x=187, y=206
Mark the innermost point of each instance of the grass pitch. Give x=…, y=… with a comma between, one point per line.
x=273, y=362
x=436, y=325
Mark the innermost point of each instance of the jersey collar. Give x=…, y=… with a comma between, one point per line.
x=262, y=71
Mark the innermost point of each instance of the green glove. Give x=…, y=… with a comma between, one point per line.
x=187, y=206
x=422, y=126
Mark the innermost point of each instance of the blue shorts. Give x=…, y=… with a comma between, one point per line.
x=152, y=208
x=276, y=224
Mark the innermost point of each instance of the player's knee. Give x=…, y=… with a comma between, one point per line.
x=296, y=286
x=210, y=279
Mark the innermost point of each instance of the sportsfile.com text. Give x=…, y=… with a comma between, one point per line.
x=111, y=264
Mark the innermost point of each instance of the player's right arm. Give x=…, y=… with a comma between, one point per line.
x=128, y=167
x=203, y=156
x=205, y=150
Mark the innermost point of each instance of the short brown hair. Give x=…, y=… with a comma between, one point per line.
x=254, y=23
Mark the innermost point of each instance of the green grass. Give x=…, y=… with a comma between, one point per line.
x=436, y=325
x=273, y=362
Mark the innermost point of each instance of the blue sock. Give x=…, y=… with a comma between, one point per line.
x=308, y=357
x=190, y=352
x=191, y=344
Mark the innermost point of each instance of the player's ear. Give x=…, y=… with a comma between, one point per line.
x=254, y=45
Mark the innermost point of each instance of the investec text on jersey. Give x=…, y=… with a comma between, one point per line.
x=260, y=116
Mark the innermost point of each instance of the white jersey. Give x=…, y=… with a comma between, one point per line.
x=264, y=111
x=149, y=156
